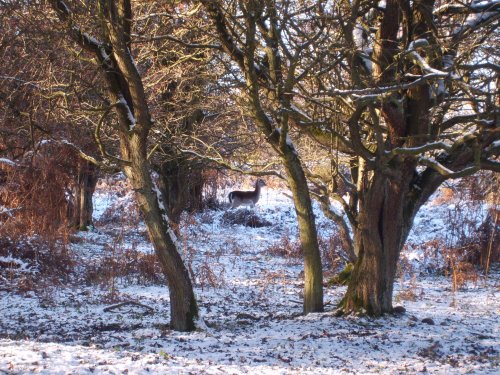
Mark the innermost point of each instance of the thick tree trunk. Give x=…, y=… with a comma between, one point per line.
x=383, y=225
x=313, y=273
x=183, y=307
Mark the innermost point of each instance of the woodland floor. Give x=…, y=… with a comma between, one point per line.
x=250, y=300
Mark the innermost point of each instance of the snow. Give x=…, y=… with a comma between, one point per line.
x=170, y=232
x=16, y=263
x=130, y=116
x=8, y=162
x=420, y=61
x=475, y=20
x=476, y=6
x=418, y=43
x=252, y=309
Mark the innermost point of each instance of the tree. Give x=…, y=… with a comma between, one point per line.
x=426, y=137
x=406, y=91
x=87, y=176
x=414, y=93
x=35, y=126
x=111, y=48
x=250, y=35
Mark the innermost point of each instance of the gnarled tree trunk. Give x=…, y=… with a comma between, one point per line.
x=383, y=226
x=126, y=91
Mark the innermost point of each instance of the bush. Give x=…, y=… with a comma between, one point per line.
x=286, y=248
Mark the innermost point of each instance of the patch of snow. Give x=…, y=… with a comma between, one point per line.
x=16, y=263
x=130, y=116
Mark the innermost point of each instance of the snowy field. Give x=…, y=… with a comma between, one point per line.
x=250, y=301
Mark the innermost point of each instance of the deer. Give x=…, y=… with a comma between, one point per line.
x=246, y=198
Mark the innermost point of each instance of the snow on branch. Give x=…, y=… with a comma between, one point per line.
x=373, y=93
x=478, y=19
x=470, y=141
x=494, y=148
x=9, y=162
x=167, y=222
x=460, y=8
x=419, y=150
x=83, y=39
x=140, y=38
x=8, y=211
x=420, y=61
x=130, y=116
x=446, y=172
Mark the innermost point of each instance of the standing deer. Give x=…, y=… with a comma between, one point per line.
x=246, y=198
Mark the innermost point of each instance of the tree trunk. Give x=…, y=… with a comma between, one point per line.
x=87, y=181
x=181, y=187
x=383, y=225
x=183, y=307
x=276, y=133
x=126, y=90
x=313, y=273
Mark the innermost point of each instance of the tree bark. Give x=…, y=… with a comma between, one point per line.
x=181, y=186
x=313, y=273
x=388, y=200
x=384, y=221
x=126, y=90
x=183, y=307
x=84, y=208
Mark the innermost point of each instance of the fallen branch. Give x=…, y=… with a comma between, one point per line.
x=121, y=304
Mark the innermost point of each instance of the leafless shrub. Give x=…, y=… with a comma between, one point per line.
x=409, y=292
x=121, y=213
x=127, y=266
x=461, y=271
x=472, y=234
x=330, y=249
x=208, y=275
x=431, y=258
x=207, y=218
x=35, y=228
x=332, y=252
x=34, y=196
x=25, y=264
x=446, y=195
x=211, y=185
x=286, y=248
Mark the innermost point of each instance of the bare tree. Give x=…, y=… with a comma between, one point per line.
x=34, y=125
x=110, y=46
x=405, y=91
x=250, y=34
x=414, y=95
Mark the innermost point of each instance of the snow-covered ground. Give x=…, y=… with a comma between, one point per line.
x=250, y=301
